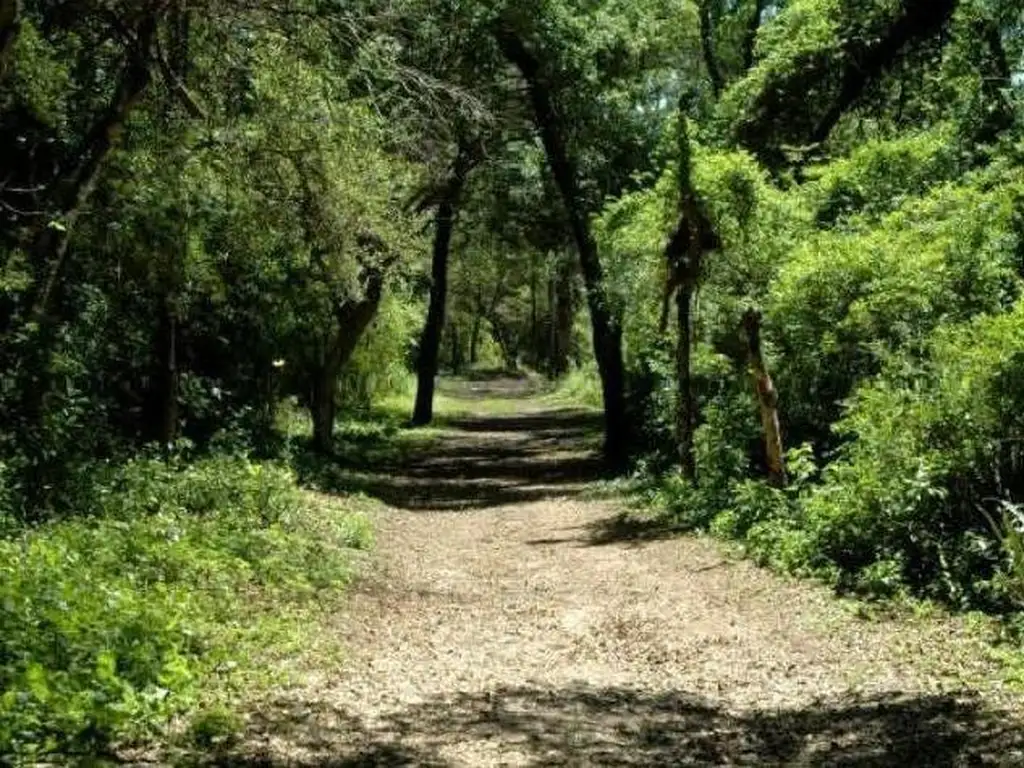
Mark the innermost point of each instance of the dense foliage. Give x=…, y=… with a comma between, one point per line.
x=116, y=621
x=885, y=259
x=780, y=242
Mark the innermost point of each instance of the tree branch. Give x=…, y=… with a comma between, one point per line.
x=750, y=39
x=919, y=20
x=707, y=44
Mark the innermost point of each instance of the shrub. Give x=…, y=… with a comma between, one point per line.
x=846, y=301
x=879, y=176
x=929, y=446
x=113, y=623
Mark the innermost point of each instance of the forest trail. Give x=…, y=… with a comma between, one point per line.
x=508, y=619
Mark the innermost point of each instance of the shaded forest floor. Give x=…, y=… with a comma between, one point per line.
x=510, y=618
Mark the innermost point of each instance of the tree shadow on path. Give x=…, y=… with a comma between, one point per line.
x=480, y=462
x=628, y=727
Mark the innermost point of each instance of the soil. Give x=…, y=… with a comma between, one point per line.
x=510, y=618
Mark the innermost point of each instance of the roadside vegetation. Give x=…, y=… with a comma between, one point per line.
x=778, y=243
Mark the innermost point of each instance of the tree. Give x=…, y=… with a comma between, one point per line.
x=607, y=336
x=430, y=342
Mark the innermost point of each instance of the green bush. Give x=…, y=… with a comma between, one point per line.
x=928, y=458
x=880, y=176
x=115, y=622
x=904, y=503
x=846, y=301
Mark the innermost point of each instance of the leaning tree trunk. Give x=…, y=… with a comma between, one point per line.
x=767, y=401
x=49, y=248
x=507, y=342
x=916, y=20
x=353, y=318
x=430, y=341
x=51, y=245
x=606, y=331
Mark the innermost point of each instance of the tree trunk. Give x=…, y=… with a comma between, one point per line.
x=324, y=408
x=10, y=26
x=563, y=316
x=168, y=386
x=506, y=341
x=750, y=38
x=694, y=236
x=474, y=339
x=686, y=409
x=353, y=318
x=48, y=244
x=430, y=341
x=606, y=331
x=683, y=258
x=552, y=327
x=917, y=20
x=535, y=332
x=707, y=44
x=456, y=350
x=767, y=401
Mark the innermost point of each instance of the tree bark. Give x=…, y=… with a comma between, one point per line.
x=535, y=330
x=49, y=246
x=750, y=39
x=694, y=236
x=767, y=401
x=430, y=341
x=686, y=409
x=169, y=411
x=507, y=342
x=353, y=318
x=456, y=350
x=683, y=256
x=10, y=26
x=176, y=69
x=474, y=333
x=707, y=45
x=324, y=409
x=551, y=328
x=606, y=331
x=563, y=316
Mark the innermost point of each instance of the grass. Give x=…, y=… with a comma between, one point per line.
x=581, y=387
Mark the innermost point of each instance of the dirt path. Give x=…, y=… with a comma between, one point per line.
x=506, y=622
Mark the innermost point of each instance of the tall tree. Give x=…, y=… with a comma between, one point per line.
x=606, y=331
x=444, y=223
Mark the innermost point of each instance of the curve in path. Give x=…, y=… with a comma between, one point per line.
x=509, y=621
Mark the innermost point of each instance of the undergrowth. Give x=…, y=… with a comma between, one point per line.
x=159, y=603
